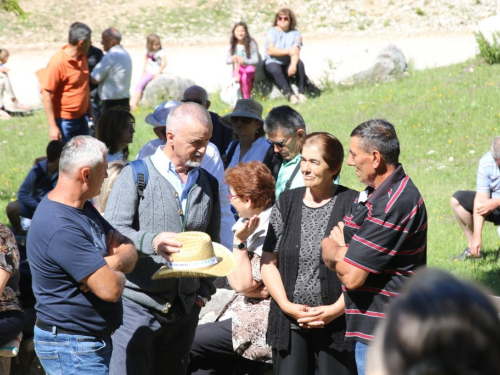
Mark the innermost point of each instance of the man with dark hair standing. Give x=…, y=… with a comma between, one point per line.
x=114, y=72
x=286, y=130
x=65, y=86
x=382, y=240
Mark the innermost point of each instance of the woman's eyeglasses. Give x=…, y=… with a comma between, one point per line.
x=243, y=120
x=280, y=18
x=230, y=197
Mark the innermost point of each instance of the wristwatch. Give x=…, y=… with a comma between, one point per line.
x=204, y=299
x=240, y=246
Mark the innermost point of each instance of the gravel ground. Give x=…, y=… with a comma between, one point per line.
x=336, y=33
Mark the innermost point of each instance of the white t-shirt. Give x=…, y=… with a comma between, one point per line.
x=154, y=61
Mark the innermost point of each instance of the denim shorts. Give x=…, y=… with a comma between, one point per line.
x=63, y=354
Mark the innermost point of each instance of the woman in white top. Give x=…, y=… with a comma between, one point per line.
x=115, y=129
x=250, y=142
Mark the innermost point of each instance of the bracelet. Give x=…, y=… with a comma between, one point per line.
x=153, y=245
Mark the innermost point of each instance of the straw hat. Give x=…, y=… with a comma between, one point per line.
x=159, y=116
x=198, y=257
x=244, y=108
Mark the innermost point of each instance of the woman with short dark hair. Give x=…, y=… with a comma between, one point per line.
x=306, y=321
x=221, y=346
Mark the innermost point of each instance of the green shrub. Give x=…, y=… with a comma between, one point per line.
x=489, y=52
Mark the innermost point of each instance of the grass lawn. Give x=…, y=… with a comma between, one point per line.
x=445, y=119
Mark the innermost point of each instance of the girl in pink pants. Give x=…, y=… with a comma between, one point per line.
x=243, y=54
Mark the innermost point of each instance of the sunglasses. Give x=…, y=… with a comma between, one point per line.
x=200, y=102
x=283, y=18
x=243, y=120
x=280, y=144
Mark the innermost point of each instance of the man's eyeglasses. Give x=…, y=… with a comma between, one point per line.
x=243, y=120
x=280, y=144
x=283, y=18
x=200, y=102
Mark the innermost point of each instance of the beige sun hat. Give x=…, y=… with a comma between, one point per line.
x=244, y=108
x=198, y=257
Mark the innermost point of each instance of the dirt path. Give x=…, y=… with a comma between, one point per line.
x=205, y=65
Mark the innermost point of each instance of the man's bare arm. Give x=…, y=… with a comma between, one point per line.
x=334, y=251
x=122, y=252
x=54, y=132
x=105, y=283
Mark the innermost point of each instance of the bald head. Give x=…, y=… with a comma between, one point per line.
x=182, y=115
x=110, y=37
x=495, y=148
x=196, y=94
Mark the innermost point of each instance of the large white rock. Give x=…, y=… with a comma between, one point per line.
x=166, y=87
x=489, y=26
x=210, y=312
x=379, y=65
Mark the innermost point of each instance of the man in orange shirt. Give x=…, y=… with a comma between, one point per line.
x=65, y=86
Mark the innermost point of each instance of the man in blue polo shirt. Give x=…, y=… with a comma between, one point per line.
x=286, y=130
x=382, y=240
x=78, y=263
x=473, y=208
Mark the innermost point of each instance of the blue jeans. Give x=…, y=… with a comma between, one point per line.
x=72, y=128
x=361, y=351
x=63, y=354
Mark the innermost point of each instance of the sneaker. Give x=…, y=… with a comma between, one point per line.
x=302, y=98
x=293, y=99
x=4, y=115
x=463, y=255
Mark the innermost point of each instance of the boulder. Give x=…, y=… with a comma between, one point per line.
x=386, y=65
x=210, y=312
x=166, y=87
x=490, y=26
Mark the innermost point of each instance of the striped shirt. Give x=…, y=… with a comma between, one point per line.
x=488, y=176
x=386, y=235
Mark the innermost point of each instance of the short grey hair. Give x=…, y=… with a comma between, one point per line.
x=495, y=148
x=379, y=135
x=81, y=151
x=285, y=118
x=114, y=33
x=78, y=31
x=185, y=113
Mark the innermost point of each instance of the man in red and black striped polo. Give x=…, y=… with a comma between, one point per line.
x=382, y=240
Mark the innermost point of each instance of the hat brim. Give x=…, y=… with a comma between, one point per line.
x=225, y=265
x=151, y=121
x=227, y=122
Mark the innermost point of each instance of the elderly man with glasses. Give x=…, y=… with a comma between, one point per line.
x=285, y=130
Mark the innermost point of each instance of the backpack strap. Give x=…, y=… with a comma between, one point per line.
x=290, y=180
x=141, y=176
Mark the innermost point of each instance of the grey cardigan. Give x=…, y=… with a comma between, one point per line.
x=159, y=212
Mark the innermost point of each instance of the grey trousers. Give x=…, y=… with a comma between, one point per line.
x=141, y=346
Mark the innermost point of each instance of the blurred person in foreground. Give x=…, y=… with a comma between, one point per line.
x=440, y=325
